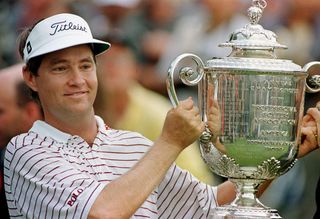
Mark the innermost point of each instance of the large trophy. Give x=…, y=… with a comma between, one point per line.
x=252, y=104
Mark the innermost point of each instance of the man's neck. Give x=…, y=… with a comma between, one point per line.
x=85, y=127
x=112, y=108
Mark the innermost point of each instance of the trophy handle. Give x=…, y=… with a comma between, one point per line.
x=187, y=75
x=313, y=80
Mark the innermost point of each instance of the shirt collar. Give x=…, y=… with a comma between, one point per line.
x=45, y=130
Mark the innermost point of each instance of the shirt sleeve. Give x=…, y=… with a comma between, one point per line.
x=40, y=183
x=183, y=196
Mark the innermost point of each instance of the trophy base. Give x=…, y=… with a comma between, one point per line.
x=241, y=212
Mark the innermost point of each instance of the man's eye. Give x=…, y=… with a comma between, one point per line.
x=59, y=69
x=86, y=66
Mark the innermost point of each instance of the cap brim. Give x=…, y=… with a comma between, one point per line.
x=69, y=41
x=100, y=46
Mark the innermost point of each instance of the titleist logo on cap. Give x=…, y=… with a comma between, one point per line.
x=64, y=26
x=58, y=32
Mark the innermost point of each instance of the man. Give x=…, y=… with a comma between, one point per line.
x=71, y=165
x=18, y=111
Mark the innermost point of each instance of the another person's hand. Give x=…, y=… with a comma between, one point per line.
x=183, y=125
x=310, y=132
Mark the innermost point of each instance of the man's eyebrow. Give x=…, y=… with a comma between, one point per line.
x=87, y=59
x=61, y=61
x=58, y=61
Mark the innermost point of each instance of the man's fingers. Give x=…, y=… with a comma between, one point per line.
x=196, y=111
x=306, y=118
x=309, y=143
x=186, y=104
x=315, y=113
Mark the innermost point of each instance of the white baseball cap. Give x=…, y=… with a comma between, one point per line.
x=59, y=32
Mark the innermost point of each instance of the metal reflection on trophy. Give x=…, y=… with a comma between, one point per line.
x=252, y=103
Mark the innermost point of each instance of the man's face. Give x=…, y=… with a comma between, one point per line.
x=10, y=113
x=67, y=83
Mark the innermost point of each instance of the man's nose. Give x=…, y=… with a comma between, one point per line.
x=76, y=77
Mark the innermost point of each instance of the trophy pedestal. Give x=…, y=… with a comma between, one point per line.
x=239, y=212
x=246, y=205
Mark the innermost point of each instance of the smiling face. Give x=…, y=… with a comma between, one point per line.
x=66, y=84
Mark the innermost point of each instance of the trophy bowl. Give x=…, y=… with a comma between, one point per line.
x=252, y=104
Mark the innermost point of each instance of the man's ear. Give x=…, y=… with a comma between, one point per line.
x=29, y=78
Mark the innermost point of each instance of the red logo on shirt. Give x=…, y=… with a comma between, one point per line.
x=74, y=196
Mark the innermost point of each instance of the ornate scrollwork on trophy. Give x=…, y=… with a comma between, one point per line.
x=205, y=139
x=227, y=166
x=189, y=76
x=268, y=169
x=256, y=10
x=314, y=81
x=289, y=167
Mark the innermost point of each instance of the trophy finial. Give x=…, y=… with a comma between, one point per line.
x=253, y=36
x=255, y=11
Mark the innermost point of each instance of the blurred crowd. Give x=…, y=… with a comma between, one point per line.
x=148, y=34
x=158, y=31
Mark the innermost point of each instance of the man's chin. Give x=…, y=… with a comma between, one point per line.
x=80, y=110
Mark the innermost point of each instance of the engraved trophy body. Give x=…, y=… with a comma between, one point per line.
x=252, y=103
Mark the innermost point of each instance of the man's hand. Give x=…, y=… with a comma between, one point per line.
x=183, y=125
x=310, y=132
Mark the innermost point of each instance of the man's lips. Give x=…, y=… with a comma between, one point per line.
x=76, y=93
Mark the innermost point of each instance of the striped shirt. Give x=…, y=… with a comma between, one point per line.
x=51, y=174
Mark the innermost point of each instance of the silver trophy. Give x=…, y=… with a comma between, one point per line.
x=252, y=103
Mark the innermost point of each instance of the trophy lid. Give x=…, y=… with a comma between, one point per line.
x=253, y=48
x=253, y=35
